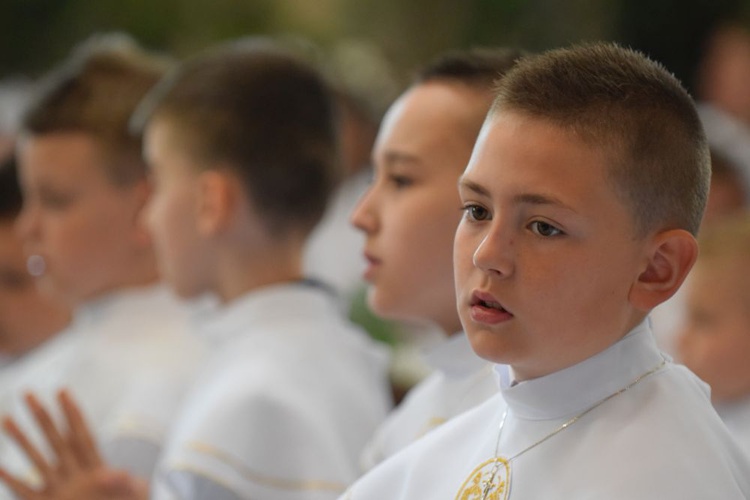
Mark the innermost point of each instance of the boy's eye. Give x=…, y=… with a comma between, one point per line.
x=544, y=229
x=476, y=212
x=54, y=200
x=400, y=181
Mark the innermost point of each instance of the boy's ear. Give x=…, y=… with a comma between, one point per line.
x=670, y=258
x=142, y=192
x=215, y=202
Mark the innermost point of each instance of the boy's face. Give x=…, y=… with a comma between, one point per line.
x=716, y=339
x=171, y=212
x=411, y=210
x=26, y=317
x=75, y=217
x=545, y=254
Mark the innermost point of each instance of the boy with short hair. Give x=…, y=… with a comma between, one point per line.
x=715, y=342
x=84, y=186
x=423, y=146
x=243, y=139
x=581, y=200
x=242, y=145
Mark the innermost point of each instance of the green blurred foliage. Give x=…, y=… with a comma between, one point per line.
x=38, y=33
x=35, y=34
x=380, y=329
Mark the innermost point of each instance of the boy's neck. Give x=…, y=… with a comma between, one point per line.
x=523, y=373
x=242, y=270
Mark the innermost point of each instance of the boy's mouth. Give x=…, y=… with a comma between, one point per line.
x=372, y=264
x=486, y=309
x=486, y=300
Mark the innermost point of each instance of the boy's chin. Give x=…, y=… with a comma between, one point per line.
x=487, y=344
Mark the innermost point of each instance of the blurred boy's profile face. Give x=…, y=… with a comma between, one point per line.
x=546, y=253
x=715, y=342
x=410, y=213
x=172, y=209
x=26, y=317
x=75, y=217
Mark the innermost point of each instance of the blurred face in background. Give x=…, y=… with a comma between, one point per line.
x=79, y=222
x=715, y=342
x=183, y=255
x=410, y=213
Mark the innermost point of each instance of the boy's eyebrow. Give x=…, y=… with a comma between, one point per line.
x=392, y=157
x=473, y=186
x=541, y=199
x=528, y=198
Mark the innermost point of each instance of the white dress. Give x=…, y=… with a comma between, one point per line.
x=118, y=349
x=658, y=440
x=460, y=380
x=284, y=406
x=736, y=416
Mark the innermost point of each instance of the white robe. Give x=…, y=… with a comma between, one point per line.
x=460, y=380
x=284, y=406
x=118, y=349
x=659, y=440
x=736, y=416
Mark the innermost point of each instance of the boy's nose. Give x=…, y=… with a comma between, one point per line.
x=363, y=216
x=27, y=222
x=495, y=252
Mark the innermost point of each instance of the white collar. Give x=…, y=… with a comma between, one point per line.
x=573, y=389
x=263, y=304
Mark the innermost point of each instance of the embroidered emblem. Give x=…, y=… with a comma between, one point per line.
x=489, y=481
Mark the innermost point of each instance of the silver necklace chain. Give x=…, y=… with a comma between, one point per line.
x=488, y=485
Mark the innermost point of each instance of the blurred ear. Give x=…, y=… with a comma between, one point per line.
x=215, y=202
x=142, y=194
x=669, y=260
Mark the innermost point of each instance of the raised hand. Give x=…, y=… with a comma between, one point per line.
x=76, y=471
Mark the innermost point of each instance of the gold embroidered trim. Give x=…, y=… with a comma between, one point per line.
x=138, y=427
x=261, y=479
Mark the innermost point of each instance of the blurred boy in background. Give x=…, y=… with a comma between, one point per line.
x=715, y=342
x=84, y=185
x=423, y=146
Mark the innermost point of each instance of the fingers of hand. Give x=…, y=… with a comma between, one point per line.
x=34, y=455
x=80, y=440
x=66, y=462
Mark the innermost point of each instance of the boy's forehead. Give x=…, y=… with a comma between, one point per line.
x=520, y=154
x=514, y=133
x=158, y=136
